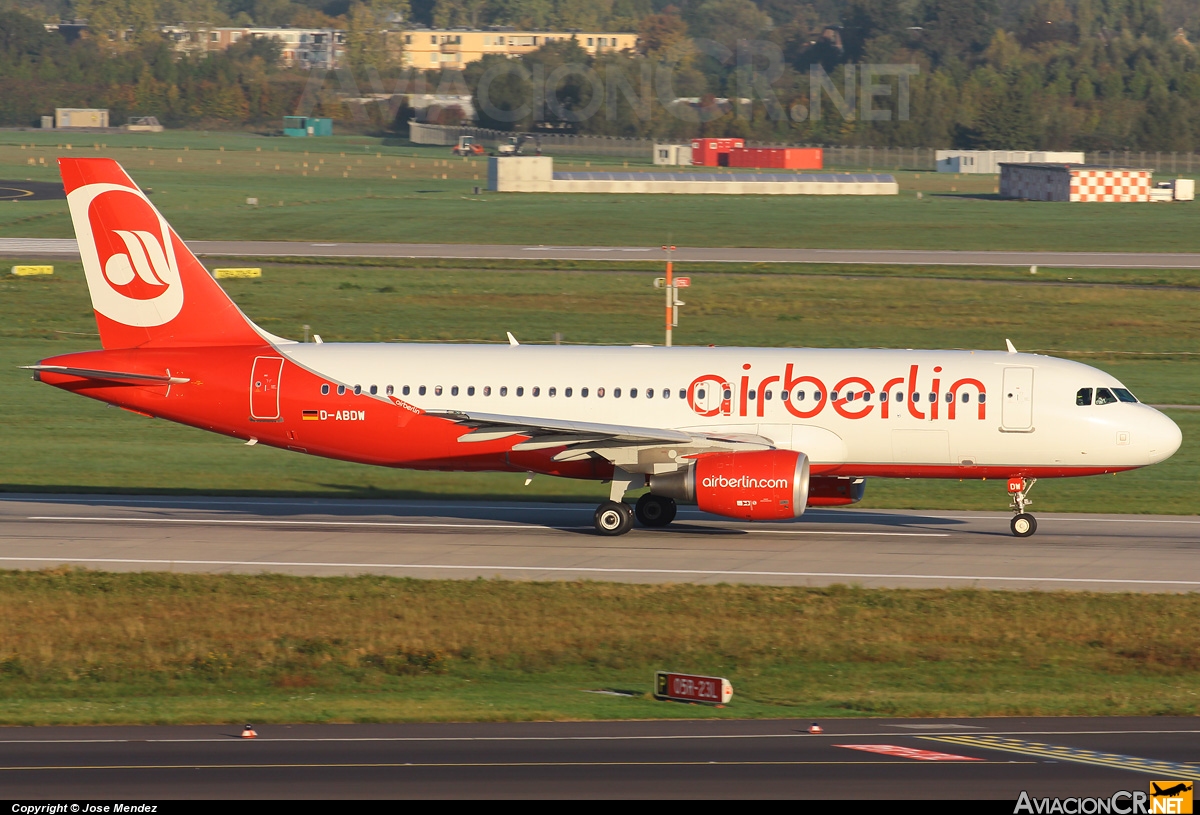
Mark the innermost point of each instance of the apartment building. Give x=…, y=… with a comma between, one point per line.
x=433, y=48
x=299, y=47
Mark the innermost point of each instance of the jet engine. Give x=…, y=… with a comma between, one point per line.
x=759, y=485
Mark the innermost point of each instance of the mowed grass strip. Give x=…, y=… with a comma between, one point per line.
x=363, y=189
x=92, y=647
x=1145, y=331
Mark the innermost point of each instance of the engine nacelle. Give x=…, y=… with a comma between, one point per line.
x=760, y=485
x=829, y=491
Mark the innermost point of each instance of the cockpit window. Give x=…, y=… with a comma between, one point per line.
x=1083, y=396
x=1125, y=396
x=1104, y=396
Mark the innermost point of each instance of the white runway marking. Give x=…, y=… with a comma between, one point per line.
x=599, y=570
x=422, y=525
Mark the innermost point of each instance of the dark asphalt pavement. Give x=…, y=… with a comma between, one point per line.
x=674, y=759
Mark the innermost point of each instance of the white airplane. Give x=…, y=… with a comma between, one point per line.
x=749, y=433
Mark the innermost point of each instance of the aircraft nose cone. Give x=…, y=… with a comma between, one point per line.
x=1164, y=437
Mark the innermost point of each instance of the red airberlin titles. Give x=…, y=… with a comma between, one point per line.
x=795, y=428
x=841, y=398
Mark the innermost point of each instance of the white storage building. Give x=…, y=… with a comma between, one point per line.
x=989, y=161
x=81, y=117
x=673, y=154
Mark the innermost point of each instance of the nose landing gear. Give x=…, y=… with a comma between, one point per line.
x=1023, y=524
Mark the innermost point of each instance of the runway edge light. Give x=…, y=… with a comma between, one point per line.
x=248, y=732
x=676, y=687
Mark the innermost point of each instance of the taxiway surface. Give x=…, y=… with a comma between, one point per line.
x=538, y=541
x=66, y=247
x=853, y=759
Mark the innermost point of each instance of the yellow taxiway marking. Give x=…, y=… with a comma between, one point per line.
x=1162, y=769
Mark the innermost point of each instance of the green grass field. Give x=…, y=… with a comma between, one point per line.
x=362, y=189
x=91, y=648
x=1144, y=329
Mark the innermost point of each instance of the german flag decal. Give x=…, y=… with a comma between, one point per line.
x=312, y=415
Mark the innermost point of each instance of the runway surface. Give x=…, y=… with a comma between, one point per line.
x=66, y=247
x=519, y=541
x=854, y=759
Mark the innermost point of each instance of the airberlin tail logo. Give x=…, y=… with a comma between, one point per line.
x=128, y=255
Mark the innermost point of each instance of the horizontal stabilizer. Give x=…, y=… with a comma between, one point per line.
x=108, y=376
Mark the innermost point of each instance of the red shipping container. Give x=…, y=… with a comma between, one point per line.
x=777, y=158
x=714, y=152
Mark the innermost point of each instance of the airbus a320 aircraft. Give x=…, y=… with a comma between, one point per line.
x=749, y=433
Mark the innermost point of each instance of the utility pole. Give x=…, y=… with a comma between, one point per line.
x=672, y=285
x=672, y=309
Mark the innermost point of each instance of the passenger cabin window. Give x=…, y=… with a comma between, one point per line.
x=682, y=393
x=357, y=390
x=325, y=389
x=454, y=390
x=633, y=393
x=406, y=390
x=437, y=390
x=487, y=390
x=536, y=391
x=700, y=393
x=552, y=392
x=1104, y=396
x=341, y=390
x=567, y=392
x=616, y=393
x=504, y=390
x=1083, y=397
x=374, y=389
x=582, y=393
x=390, y=390
x=470, y=390
x=649, y=393
x=520, y=390
x=599, y=393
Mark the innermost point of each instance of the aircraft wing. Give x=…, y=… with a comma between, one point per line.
x=621, y=444
x=491, y=426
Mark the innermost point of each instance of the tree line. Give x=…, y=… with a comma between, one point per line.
x=1007, y=74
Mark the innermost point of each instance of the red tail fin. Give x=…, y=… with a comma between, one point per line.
x=147, y=287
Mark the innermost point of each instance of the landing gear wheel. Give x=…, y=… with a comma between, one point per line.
x=655, y=510
x=1023, y=525
x=613, y=518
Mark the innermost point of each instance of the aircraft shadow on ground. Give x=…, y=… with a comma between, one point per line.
x=541, y=510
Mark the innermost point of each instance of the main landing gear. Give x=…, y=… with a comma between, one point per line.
x=1023, y=524
x=615, y=517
